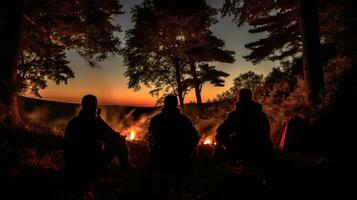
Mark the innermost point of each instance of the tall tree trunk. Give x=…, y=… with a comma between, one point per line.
x=178, y=81
x=196, y=84
x=310, y=29
x=11, y=14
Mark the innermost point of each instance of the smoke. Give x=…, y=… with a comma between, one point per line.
x=39, y=118
x=121, y=119
x=124, y=120
x=38, y=114
x=207, y=129
x=207, y=123
x=127, y=123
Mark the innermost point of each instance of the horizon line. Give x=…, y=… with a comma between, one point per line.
x=78, y=102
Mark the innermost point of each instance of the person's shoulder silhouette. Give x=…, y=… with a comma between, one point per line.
x=245, y=103
x=90, y=143
x=80, y=132
x=172, y=137
x=246, y=130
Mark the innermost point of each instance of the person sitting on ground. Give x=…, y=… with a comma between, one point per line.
x=90, y=144
x=172, y=137
x=245, y=134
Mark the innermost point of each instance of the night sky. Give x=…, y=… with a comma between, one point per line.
x=108, y=83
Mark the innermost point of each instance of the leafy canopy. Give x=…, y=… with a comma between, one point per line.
x=52, y=28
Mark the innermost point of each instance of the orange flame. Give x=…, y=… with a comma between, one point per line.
x=132, y=135
x=207, y=141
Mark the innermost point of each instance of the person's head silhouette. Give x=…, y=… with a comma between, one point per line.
x=245, y=95
x=170, y=102
x=89, y=104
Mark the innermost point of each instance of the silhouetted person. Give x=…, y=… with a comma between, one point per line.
x=172, y=137
x=90, y=144
x=245, y=134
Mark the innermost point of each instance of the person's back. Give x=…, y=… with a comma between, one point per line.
x=80, y=141
x=172, y=136
x=252, y=128
x=247, y=129
x=90, y=144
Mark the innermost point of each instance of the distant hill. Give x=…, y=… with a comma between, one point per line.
x=55, y=115
x=57, y=109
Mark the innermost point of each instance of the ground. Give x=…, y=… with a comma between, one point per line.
x=32, y=167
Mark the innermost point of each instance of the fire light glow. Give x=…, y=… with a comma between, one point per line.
x=207, y=141
x=132, y=135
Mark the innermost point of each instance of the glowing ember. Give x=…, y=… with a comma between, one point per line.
x=208, y=141
x=132, y=135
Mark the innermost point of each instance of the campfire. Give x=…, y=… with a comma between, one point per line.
x=136, y=129
x=132, y=135
x=209, y=141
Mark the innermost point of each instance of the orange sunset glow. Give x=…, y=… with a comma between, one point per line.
x=107, y=81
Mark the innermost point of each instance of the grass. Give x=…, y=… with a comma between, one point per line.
x=32, y=167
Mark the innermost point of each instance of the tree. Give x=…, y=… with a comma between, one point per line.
x=10, y=36
x=291, y=27
x=310, y=28
x=207, y=73
x=210, y=50
x=277, y=19
x=200, y=45
x=248, y=80
x=40, y=63
x=152, y=48
x=176, y=35
x=50, y=28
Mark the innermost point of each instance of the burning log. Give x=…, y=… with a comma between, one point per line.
x=206, y=147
